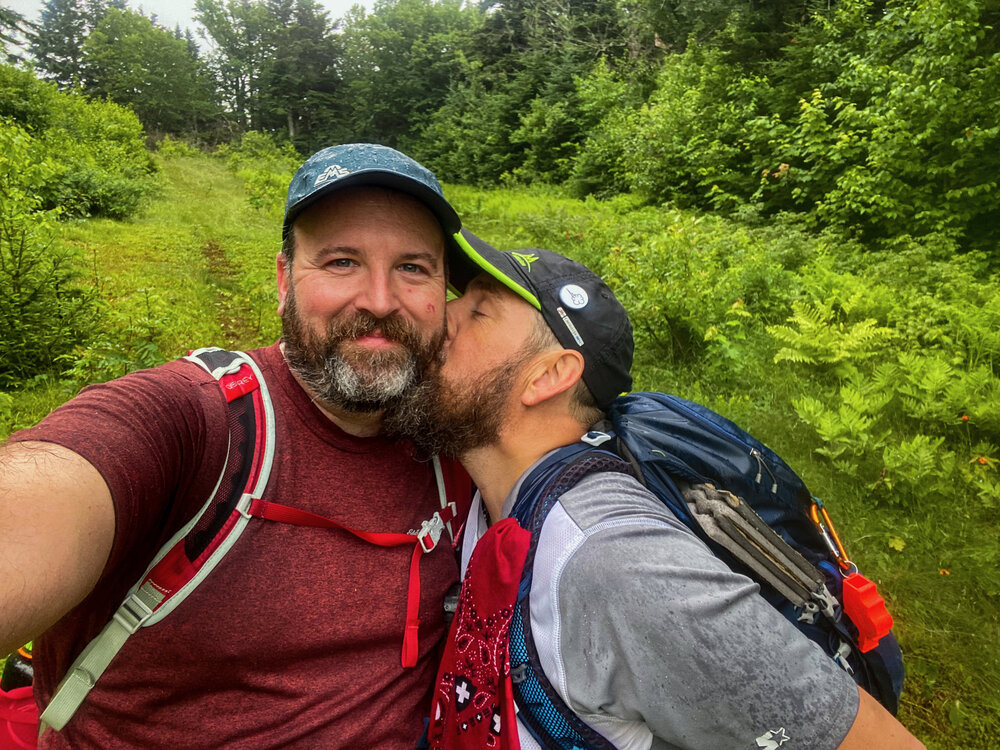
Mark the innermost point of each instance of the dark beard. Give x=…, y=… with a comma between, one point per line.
x=363, y=382
x=450, y=420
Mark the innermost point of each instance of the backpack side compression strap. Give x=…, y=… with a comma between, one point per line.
x=172, y=574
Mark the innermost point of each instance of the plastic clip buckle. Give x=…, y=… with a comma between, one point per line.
x=596, y=438
x=430, y=531
x=132, y=613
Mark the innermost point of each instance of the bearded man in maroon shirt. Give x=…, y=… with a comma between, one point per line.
x=301, y=636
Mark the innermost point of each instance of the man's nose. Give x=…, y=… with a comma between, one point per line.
x=378, y=296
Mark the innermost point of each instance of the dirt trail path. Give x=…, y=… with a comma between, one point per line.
x=196, y=266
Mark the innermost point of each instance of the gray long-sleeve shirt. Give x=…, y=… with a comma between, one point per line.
x=656, y=643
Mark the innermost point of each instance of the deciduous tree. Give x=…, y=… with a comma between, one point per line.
x=132, y=62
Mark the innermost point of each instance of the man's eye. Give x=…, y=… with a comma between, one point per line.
x=411, y=268
x=341, y=262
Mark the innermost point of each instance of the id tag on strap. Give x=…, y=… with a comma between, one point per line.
x=867, y=611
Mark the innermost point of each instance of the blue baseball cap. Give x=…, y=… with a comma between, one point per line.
x=579, y=308
x=366, y=164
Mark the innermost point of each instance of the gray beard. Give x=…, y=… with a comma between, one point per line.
x=339, y=384
x=356, y=382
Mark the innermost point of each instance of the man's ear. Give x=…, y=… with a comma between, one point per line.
x=553, y=373
x=284, y=279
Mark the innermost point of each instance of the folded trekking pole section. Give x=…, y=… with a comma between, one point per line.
x=730, y=522
x=760, y=518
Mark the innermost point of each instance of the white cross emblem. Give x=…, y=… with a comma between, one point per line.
x=462, y=693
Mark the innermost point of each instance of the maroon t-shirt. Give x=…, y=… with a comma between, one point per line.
x=295, y=639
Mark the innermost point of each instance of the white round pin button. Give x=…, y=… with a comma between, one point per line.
x=574, y=296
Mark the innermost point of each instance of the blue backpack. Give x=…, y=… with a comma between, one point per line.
x=751, y=509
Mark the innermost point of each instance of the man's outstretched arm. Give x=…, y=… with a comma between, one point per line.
x=57, y=525
x=874, y=727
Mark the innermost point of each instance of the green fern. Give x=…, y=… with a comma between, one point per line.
x=814, y=336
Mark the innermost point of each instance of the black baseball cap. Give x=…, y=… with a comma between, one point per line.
x=366, y=164
x=578, y=306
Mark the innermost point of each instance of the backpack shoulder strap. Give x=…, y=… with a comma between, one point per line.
x=454, y=486
x=194, y=551
x=541, y=709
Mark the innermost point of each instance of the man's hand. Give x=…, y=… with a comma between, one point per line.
x=57, y=525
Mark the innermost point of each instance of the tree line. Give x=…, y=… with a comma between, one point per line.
x=874, y=118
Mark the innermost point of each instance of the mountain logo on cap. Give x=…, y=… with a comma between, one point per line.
x=574, y=297
x=525, y=259
x=333, y=172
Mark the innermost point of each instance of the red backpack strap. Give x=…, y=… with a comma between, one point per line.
x=194, y=551
x=455, y=484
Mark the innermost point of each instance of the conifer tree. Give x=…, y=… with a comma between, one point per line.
x=12, y=26
x=57, y=44
x=300, y=77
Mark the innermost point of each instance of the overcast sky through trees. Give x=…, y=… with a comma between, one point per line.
x=170, y=13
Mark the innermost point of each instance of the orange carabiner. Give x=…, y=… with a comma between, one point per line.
x=829, y=532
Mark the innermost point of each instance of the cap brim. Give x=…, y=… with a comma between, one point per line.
x=476, y=256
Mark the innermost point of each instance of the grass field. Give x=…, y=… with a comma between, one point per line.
x=196, y=268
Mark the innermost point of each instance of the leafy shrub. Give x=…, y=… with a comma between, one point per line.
x=897, y=128
x=694, y=286
x=171, y=147
x=44, y=312
x=126, y=343
x=98, y=163
x=265, y=189
x=265, y=168
x=260, y=150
